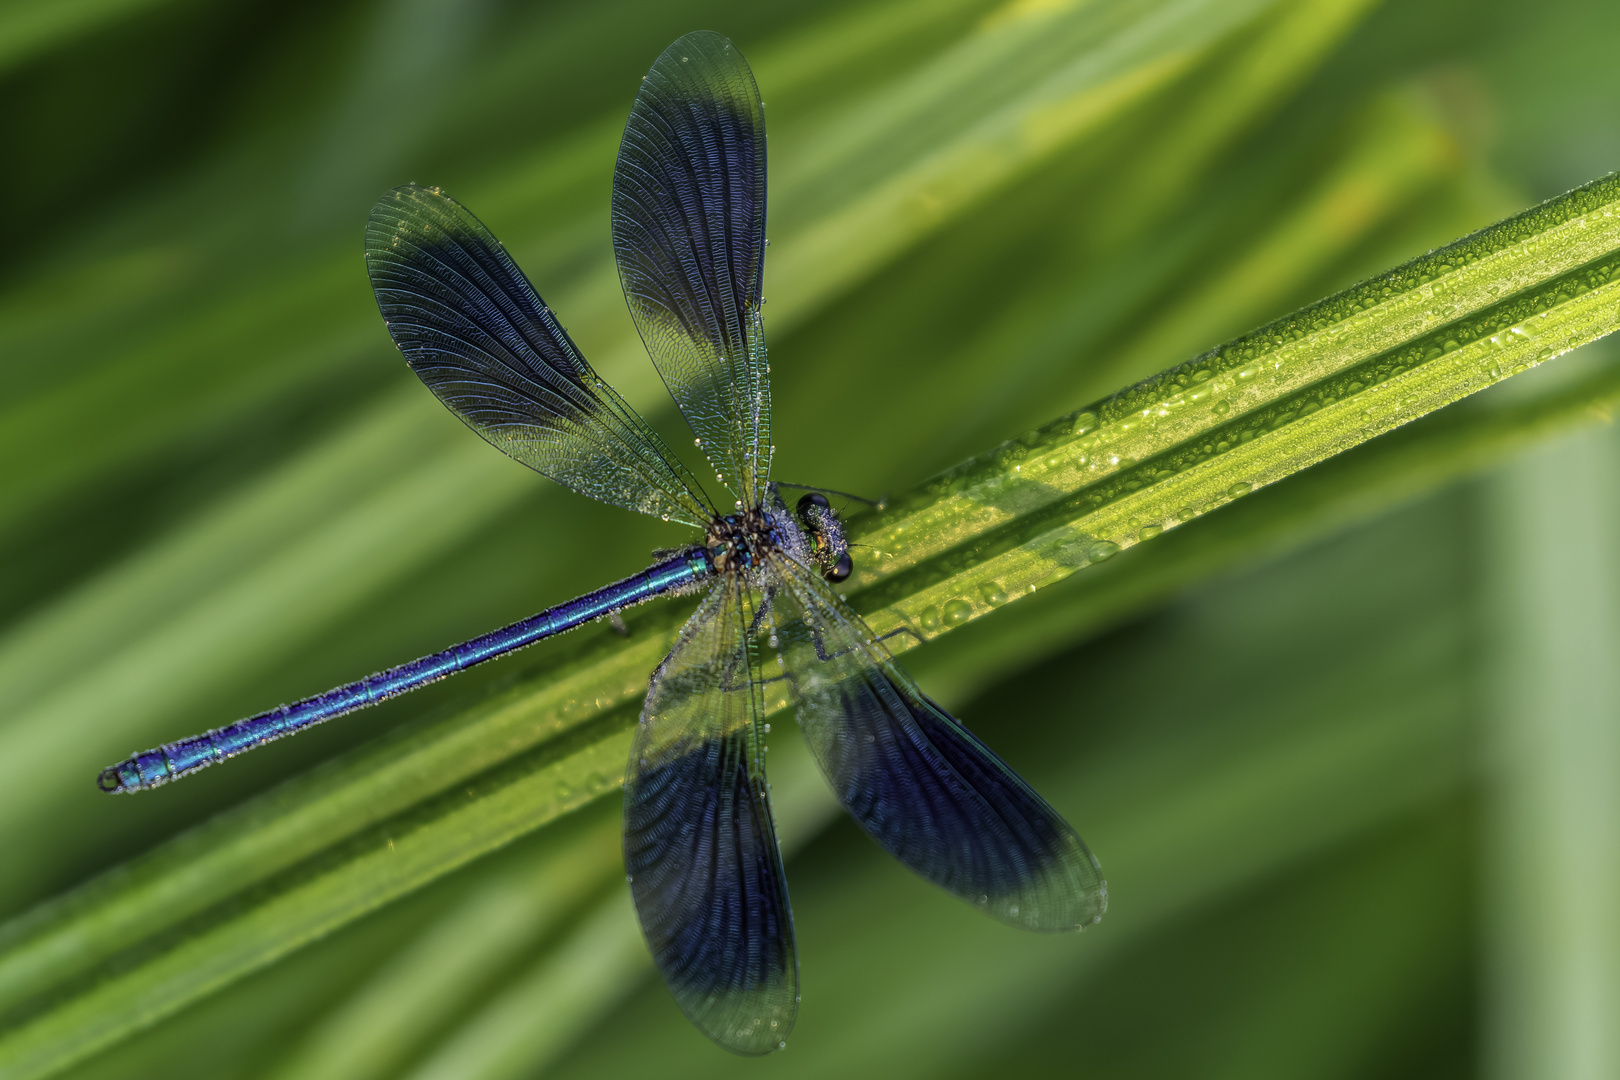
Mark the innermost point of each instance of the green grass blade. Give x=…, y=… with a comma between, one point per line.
x=372, y=867
x=1053, y=74
x=30, y=27
x=549, y=1005
x=1551, y=755
x=432, y=978
x=1247, y=414
x=1289, y=43
x=1394, y=153
x=1338, y=493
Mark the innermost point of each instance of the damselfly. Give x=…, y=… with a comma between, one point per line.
x=699, y=843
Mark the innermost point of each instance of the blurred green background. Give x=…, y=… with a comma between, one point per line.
x=1357, y=792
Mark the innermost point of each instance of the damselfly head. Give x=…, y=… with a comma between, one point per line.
x=830, y=548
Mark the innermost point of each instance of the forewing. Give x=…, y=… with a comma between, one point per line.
x=476, y=333
x=699, y=844
x=919, y=782
x=689, y=234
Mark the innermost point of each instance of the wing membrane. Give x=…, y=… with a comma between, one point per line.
x=474, y=330
x=699, y=843
x=689, y=235
x=919, y=782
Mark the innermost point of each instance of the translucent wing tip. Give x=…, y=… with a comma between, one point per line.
x=408, y=212
x=701, y=40
x=699, y=47
x=1062, y=893
x=751, y=1022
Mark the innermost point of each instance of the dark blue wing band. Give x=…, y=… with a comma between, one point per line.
x=699, y=842
x=700, y=853
x=917, y=781
x=689, y=236
x=477, y=334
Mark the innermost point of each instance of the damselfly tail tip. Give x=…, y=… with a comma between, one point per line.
x=111, y=779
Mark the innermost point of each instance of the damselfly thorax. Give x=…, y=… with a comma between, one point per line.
x=743, y=543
